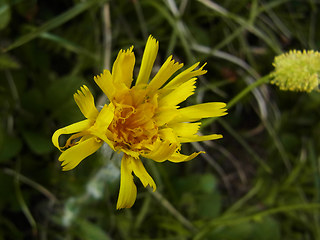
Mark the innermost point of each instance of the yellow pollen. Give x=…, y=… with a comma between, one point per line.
x=133, y=126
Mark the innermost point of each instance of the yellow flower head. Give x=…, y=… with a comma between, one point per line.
x=141, y=120
x=297, y=71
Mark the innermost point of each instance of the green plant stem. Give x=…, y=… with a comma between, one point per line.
x=248, y=89
x=166, y=204
x=238, y=97
x=233, y=221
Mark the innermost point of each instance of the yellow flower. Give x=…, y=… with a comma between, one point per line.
x=141, y=120
x=297, y=71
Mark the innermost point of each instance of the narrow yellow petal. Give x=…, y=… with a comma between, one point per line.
x=122, y=70
x=185, y=76
x=184, y=129
x=128, y=190
x=73, y=128
x=149, y=56
x=104, y=81
x=197, y=138
x=196, y=112
x=142, y=174
x=74, y=155
x=177, y=157
x=85, y=102
x=162, y=151
x=179, y=94
x=165, y=115
x=102, y=123
x=165, y=72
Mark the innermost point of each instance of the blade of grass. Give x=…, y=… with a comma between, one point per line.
x=53, y=23
x=234, y=221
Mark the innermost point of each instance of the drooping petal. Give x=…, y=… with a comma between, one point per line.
x=100, y=127
x=104, y=81
x=128, y=190
x=122, y=70
x=85, y=102
x=197, y=138
x=162, y=151
x=196, y=112
x=149, y=56
x=165, y=72
x=185, y=129
x=179, y=94
x=142, y=174
x=73, y=128
x=177, y=157
x=75, y=154
x=185, y=76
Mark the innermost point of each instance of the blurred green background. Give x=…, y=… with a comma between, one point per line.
x=260, y=182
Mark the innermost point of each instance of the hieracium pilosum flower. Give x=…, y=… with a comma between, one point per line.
x=142, y=119
x=297, y=71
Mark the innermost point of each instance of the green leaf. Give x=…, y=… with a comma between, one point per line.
x=87, y=231
x=7, y=62
x=5, y=14
x=37, y=142
x=53, y=23
x=9, y=147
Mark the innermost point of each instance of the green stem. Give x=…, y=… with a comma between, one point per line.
x=238, y=97
x=258, y=216
x=248, y=89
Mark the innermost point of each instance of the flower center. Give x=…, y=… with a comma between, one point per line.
x=133, y=127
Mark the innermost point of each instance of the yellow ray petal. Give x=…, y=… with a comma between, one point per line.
x=142, y=174
x=179, y=94
x=85, y=102
x=196, y=112
x=165, y=72
x=167, y=134
x=100, y=127
x=122, y=69
x=177, y=157
x=73, y=128
x=186, y=75
x=185, y=129
x=162, y=151
x=104, y=81
x=128, y=190
x=197, y=138
x=74, y=155
x=165, y=115
x=149, y=56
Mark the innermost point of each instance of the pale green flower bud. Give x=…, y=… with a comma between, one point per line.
x=297, y=71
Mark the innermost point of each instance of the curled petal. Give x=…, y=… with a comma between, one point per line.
x=100, y=127
x=74, y=155
x=177, y=157
x=73, y=128
x=142, y=174
x=128, y=190
x=162, y=151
